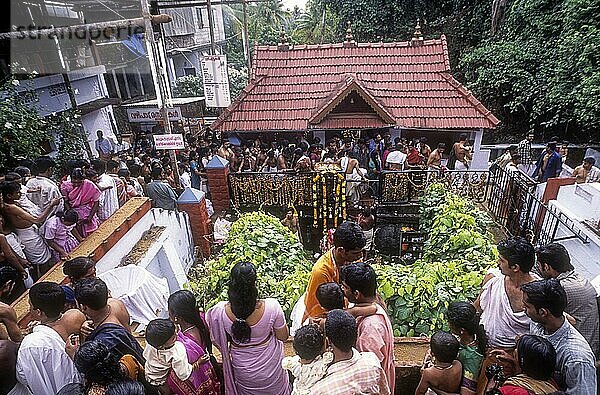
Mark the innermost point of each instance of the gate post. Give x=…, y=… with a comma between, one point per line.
x=217, y=171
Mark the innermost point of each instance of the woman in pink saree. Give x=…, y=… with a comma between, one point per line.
x=249, y=333
x=83, y=196
x=194, y=335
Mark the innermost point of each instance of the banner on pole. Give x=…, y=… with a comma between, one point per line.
x=168, y=141
x=216, y=80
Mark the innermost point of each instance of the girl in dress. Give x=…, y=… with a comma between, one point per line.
x=60, y=233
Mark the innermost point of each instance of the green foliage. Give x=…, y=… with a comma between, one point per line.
x=282, y=267
x=22, y=130
x=238, y=79
x=541, y=72
x=418, y=295
x=70, y=136
x=458, y=251
x=188, y=86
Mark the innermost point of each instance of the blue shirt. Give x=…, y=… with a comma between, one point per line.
x=575, y=362
x=195, y=177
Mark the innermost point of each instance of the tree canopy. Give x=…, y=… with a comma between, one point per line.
x=533, y=63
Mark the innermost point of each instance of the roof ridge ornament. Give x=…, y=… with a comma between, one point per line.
x=349, y=43
x=417, y=40
x=283, y=45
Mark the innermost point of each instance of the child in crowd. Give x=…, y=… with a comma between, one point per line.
x=311, y=362
x=164, y=352
x=60, y=233
x=331, y=297
x=441, y=372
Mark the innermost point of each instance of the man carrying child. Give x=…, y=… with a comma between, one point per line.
x=375, y=333
x=349, y=242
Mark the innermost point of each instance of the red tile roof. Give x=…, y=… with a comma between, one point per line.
x=404, y=85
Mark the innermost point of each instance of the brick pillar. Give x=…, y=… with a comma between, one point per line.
x=192, y=201
x=217, y=171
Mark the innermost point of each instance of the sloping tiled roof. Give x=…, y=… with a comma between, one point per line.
x=404, y=85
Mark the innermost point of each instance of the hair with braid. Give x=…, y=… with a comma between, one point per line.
x=242, y=296
x=463, y=315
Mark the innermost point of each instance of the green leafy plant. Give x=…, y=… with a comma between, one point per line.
x=23, y=132
x=281, y=264
x=458, y=251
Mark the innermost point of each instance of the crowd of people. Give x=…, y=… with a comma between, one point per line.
x=534, y=325
x=532, y=330
x=549, y=163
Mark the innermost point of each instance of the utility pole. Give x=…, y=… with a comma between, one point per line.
x=211, y=28
x=158, y=67
x=245, y=36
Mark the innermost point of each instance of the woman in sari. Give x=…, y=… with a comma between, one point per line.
x=83, y=196
x=249, y=333
x=194, y=335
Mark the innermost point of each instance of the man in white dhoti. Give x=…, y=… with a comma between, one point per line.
x=354, y=176
x=25, y=225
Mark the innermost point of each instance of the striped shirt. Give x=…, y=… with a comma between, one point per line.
x=361, y=374
x=582, y=305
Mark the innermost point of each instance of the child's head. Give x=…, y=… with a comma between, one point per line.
x=330, y=296
x=160, y=333
x=309, y=342
x=444, y=347
x=70, y=217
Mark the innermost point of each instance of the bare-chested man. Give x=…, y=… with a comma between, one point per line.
x=434, y=161
x=501, y=299
x=463, y=154
x=25, y=226
x=354, y=175
x=586, y=172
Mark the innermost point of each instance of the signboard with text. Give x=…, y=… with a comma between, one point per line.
x=152, y=114
x=216, y=81
x=168, y=141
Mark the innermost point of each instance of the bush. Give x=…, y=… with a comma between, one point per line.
x=458, y=251
x=281, y=264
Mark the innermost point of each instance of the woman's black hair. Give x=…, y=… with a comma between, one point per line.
x=183, y=304
x=77, y=174
x=97, y=364
x=126, y=387
x=77, y=268
x=537, y=357
x=242, y=296
x=464, y=315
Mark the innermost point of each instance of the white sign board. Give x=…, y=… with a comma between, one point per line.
x=216, y=81
x=168, y=141
x=152, y=114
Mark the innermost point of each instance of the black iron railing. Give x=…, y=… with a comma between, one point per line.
x=514, y=203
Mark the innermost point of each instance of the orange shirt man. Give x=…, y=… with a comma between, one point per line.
x=349, y=242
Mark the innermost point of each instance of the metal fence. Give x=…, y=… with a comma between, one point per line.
x=514, y=204
x=409, y=185
x=510, y=198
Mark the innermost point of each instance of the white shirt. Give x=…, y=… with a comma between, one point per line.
x=27, y=204
x=396, y=157
x=185, y=179
x=109, y=200
x=43, y=366
x=160, y=362
x=45, y=190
